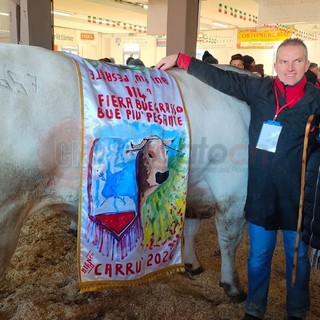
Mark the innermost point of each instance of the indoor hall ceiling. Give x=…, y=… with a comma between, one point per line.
x=131, y=12
x=234, y=14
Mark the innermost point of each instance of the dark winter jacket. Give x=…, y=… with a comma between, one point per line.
x=274, y=178
x=311, y=222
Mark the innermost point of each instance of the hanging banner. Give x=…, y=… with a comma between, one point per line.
x=261, y=38
x=237, y=13
x=216, y=39
x=134, y=169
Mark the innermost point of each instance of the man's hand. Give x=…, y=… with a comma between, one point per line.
x=167, y=62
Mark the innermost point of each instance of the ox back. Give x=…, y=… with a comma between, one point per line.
x=40, y=145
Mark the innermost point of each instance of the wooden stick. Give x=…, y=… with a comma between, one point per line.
x=302, y=185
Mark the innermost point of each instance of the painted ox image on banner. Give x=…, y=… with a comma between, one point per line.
x=39, y=164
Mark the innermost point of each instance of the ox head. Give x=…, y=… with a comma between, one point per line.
x=151, y=164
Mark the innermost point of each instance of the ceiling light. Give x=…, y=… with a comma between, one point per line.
x=59, y=13
x=4, y=14
x=218, y=24
x=137, y=4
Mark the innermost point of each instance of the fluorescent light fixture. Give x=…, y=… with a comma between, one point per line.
x=4, y=14
x=218, y=24
x=59, y=13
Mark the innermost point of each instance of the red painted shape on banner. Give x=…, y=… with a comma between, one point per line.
x=116, y=221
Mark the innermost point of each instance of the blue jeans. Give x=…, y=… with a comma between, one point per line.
x=262, y=245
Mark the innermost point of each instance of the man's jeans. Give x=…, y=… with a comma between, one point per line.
x=262, y=245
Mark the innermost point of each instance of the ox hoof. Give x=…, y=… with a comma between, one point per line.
x=190, y=270
x=73, y=232
x=235, y=298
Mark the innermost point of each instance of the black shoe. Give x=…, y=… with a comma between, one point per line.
x=294, y=318
x=248, y=316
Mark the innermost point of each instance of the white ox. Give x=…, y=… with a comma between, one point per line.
x=40, y=101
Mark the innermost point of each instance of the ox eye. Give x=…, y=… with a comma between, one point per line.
x=150, y=155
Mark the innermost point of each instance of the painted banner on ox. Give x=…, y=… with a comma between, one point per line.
x=134, y=171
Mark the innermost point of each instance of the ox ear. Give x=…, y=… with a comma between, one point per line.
x=136, y=147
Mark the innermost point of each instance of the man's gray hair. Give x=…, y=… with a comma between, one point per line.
x=293, y=42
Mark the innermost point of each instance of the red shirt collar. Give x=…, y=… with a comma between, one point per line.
x=291, y=93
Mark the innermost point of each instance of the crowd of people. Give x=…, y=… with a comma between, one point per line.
x=237, y=60
x=285, y=110
x=131, y=61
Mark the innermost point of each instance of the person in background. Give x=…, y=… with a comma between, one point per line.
x=209, y=58
x=136, y=62
x=312, y=74
x=105, y=60
x=280, y=108
x=129, y=59
x=248, y=62
x=250, y=65
x=237, y=61
x=258, y=70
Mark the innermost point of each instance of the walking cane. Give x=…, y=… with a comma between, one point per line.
x=302, y=185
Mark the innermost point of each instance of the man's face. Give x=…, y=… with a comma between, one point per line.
x=315, y=70
x=237, y=63
x=291, y=64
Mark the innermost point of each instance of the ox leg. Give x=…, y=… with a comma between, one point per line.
x=191, y=228
x=230, y=233
x=11, y=220
x=73, y=229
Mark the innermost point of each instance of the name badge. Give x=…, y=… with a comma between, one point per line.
x=269, y=136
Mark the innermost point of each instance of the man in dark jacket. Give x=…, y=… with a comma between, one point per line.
x=280, y=109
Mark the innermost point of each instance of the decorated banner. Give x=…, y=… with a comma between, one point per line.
x=237, y=13
x=134, y=169
x=216, y=39
x=262, y=38
x=267, y=36
x=116, y=24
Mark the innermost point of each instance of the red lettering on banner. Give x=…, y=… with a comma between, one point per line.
x=159, y=80
x=96, y=271
x=98, y=74
x=135, y=92
x=118, y=269
x=109, y=113
x=114, y=101
x=133, y=114
x=139, y=78
x=144, y=105
x=88, y=265
x=165, y=120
